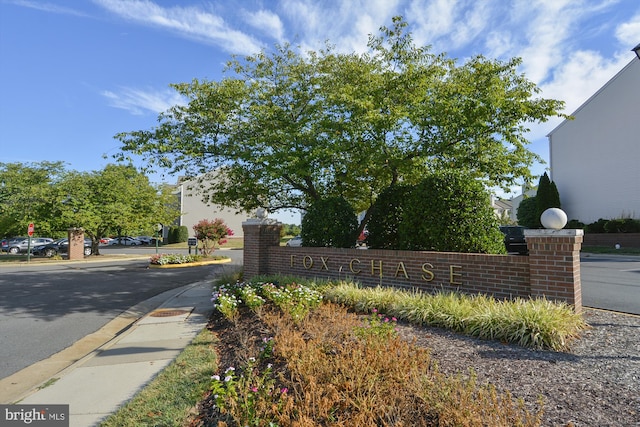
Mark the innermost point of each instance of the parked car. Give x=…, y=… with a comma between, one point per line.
x=21, y=244
x=105, y=240
x=125, y=240
x=514, y=240
x=146, y=240
x=59, y=247
x=295, y=241
x=4, y=245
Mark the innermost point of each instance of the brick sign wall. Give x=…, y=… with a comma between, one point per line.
x=552, y=268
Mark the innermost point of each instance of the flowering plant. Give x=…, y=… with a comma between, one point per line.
x=163, y=259
x=377, y=325
x=210, y=233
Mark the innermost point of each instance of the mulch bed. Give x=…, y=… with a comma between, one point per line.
x=597, y=383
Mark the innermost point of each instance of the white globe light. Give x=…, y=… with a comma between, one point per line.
x=553, y=218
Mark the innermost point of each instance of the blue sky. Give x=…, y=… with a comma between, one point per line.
x=74, y=73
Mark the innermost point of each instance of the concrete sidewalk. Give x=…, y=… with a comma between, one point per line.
x=98, y=384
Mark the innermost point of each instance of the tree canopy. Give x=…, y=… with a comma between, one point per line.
x=25, y=196
x=116, y=198
x=286, y=128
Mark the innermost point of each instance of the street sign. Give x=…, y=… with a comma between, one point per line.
x=192, y=241
x=30, y=229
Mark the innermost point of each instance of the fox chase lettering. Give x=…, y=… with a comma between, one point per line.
x=377, y=268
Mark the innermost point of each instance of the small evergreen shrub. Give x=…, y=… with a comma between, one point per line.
x=546, y=197
x=450, y=211
x=527, y=213
x=329, y=222
x=386, y=216
x=178, y=234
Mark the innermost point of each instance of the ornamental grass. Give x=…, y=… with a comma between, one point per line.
x=533, y=323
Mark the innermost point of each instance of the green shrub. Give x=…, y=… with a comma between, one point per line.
x=574, y=224
x=178, y=234
x=527, y=213
x=450, y=211
x=622, y=225
x=596, y=227
x=386, y=216
x=329, y=222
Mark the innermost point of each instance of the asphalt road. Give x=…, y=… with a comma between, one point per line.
x=611, y=282
x=46, y=308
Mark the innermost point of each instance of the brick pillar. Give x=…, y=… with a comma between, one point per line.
x=258, y=236
x=554, y=265
x=76, y=243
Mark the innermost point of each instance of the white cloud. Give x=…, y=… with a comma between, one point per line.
x=267, y=22
x=629, y=33
x=582, y=75
x=345, y=24
x=191, y=22
x=47, y=7
x=139, y=102
x=432, y=19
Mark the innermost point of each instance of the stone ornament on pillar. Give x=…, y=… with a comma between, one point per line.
x=553, y=218
x=554, y=259
x=261, y=217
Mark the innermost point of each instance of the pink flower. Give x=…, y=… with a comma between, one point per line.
x=254, y=389
x=283, y=390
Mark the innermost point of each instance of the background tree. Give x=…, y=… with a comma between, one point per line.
x=527, y=213
x=286, y=129
x=329, y=222
x=290, y=230
x=117, y=198
x=25, y=196
x=450, y=211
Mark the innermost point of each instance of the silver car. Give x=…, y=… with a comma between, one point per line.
x=17, y=246
x=295, y=242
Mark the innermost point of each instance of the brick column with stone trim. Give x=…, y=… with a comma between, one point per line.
x=554, y=265
x=259, y=234
x=76, y=243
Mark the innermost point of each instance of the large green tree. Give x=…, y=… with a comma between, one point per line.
x=25, y=196
x=287, y=128
x=116, y=199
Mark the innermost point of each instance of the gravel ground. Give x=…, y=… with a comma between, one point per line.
x=595, y=384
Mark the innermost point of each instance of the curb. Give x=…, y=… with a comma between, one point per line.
x=29, y=380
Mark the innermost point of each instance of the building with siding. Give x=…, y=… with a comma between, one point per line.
x=595, y=158
x=194, y=209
